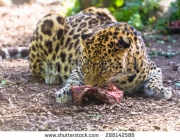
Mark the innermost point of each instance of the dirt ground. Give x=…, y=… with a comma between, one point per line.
x=27, y=103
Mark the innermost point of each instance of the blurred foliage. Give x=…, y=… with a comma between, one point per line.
x=138, y=13
x=174, y=15
x=75, y=9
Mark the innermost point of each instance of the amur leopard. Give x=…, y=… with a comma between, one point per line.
x=91, y=48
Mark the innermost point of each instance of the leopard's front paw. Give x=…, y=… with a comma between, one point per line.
x=159, y=92
x=64, y=95
x=52, y=79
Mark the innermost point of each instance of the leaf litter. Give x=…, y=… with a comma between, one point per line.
x=28, y=104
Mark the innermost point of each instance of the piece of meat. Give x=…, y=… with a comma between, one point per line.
x=110, y=95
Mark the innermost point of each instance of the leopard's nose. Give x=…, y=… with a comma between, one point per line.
x=91, y=80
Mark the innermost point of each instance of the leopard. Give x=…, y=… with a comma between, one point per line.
x=91, y=48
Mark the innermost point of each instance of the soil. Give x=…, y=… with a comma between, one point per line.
x=28, y=104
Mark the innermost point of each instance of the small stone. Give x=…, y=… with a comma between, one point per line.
x=157, y=127
x=36, y=89
x=178, y=100
x=174, y=67
x=171, y=63
x=178, y=70
x=1, y=121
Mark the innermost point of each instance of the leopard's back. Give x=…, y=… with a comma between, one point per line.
x=55, y=46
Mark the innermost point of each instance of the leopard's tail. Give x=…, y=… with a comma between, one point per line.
x=14, y=52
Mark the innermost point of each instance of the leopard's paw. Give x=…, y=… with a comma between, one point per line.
x=64, y=95
x=52, y=79
x=159, y=92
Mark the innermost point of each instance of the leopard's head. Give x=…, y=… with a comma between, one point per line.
x=104, y=53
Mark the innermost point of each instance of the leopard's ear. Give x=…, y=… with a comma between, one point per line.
x=86, y=33
x=122, y=44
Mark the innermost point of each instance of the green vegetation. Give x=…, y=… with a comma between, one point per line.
x=74, y=10
x=175, y=15
x=2, y=81
x=138, y=13
x=170, y=54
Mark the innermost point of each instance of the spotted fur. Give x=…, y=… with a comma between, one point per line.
x=92, y=48
x=14, y=52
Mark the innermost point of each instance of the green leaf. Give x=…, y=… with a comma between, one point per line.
x=89, y=115
x=153, y=54
x=119, y=3
x=98, y=116
x=168, y=54
x=160, y=42
x=3, y=82
x=112, y=9
x=148, y=45
x=122, y=129
x=169, y=47
x=173, y=41
x=177, y=84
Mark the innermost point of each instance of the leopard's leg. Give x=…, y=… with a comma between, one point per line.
x=154, y=86
x=45, y=49
x=64, y=95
